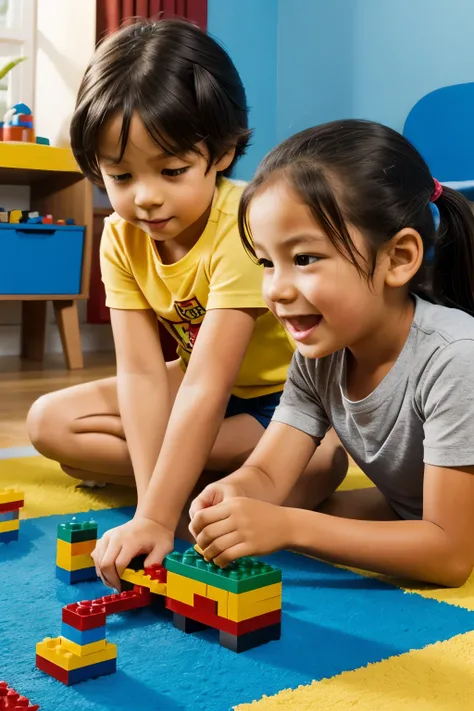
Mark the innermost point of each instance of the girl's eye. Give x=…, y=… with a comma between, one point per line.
x=120, y=178
x=174, y=172
x=304, y=260
x=265, y=263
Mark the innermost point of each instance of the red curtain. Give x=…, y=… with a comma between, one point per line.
x=111, y=14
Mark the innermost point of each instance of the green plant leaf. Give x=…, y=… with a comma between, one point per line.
x=11, y=65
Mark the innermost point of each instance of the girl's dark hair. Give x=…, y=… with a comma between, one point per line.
x=181, y=82
x=367, y=175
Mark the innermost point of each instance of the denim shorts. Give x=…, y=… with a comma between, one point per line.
x=262, y=408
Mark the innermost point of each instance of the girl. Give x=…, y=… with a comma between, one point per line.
x=160, y=121
x=340, y=218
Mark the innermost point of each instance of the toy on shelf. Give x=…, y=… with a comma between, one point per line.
x=76, y=541
x=242, y=601
x=15, y=217
x=18, y=125
x=13, y=701
x=11, y=501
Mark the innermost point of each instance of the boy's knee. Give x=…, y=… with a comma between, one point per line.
x=41, y=422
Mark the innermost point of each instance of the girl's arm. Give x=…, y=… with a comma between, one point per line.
x=142, y=385
x=438, y=549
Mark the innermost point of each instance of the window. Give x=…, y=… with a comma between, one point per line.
x=17, y=39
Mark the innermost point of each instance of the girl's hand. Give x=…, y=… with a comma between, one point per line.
x=117, y=547
x=239, y=527
x=213, y=494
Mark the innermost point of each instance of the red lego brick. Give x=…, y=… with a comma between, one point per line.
x=157, y=572
x=11, y=506
x=128, y=600
x=220, y=623
x=47, y=220
x=53, y=670
x=205, y=604
x=86, y=615
x=13, y=701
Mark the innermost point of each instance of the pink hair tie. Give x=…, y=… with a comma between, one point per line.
x=438, y=189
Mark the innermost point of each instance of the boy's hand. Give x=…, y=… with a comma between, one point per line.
x=117, y=547
x=214, y=494
x=239, y=527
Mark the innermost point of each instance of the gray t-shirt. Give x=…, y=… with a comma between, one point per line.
x=421, y=413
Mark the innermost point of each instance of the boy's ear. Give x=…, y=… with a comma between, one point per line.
x=405, y=257
x=223, y=163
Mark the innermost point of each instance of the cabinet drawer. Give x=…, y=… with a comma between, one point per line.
x=41, y=259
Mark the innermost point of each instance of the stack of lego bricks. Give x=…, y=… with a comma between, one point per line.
x=82, y=651
x=76, y=541
x=242, y=601
x=11, y=501
x=13, y=701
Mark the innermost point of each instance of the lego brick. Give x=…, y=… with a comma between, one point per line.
x=8, y=496
x=83, y=637
x=186, y=624
x=74, y=562
x=8, y=537
x=139, y=577
x=75, y=548
x=124, y=601
x=157, y=572
x=55, y=652
x=244, y=642
x=84, y=615
x=240, y=606
x=6, y=526
x=77, y=675
x=83, y=650
x=184, y=589
x=70, y=577
x=13, y=701
x=9, y=515
x=205, y=604
x=75, y=532
x=240, y=576
x=248, y=610
x=42, y=141
x=236, y=628
x=221, y=597
x=12, y=506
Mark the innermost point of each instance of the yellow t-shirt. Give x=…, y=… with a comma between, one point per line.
x=216, y=273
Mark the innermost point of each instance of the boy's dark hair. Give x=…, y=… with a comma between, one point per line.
x=364, y=174
x=181, y=82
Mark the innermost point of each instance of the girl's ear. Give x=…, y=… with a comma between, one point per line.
x=224, y=162
x=405, y=256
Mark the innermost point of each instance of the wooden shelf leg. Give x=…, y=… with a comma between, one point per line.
x=68, y=323
x=33, y=329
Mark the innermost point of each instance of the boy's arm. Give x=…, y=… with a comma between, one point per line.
x=143, y=391
x=198, y=411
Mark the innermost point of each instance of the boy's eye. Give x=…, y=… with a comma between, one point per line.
x=265, y=263
x=120, y=178
x=174, y=172
x=304, y=260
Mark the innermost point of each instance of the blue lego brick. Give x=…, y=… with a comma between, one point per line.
x=42, y=141
x=75, y=676
x=8, y=536
x=15, y=121
x=83, y=637
x=75, y=576
x=34, y=220
x=9, y=515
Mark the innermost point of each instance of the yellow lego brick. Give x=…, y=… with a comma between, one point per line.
x=183, y=589
x=10, y=495
x=85, y=649
x=9, y=525
x=54, y=651
x=250, y=604
x=158, y=588
x=221, y=597
x=74, y=562
x=71, y=549
x=138, y=577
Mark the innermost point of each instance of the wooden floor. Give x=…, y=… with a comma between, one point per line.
x=22, y=382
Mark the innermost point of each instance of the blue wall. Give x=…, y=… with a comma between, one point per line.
x=304, y=62
x=248, y=31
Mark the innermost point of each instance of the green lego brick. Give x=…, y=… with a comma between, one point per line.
x=75, y=532
x=240, y=576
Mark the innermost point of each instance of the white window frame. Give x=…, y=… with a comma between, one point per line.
x=21, y=33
